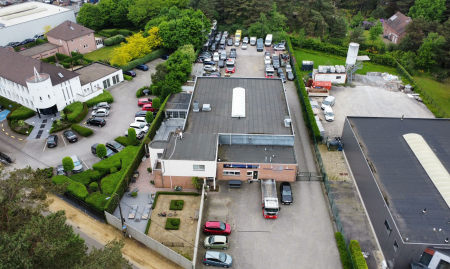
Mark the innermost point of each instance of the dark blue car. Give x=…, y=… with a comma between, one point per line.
x=130, y=73
x=142, y=67
x=26, y=41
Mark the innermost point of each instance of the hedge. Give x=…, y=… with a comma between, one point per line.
x=6, y=103
x=83, y=177
x=22, y=113
x=104, y=97
x=97, y=200
x=117, y=39
x=65, y=65
x=113, y=32
x=83, y=131
x=94, y=186
x=127, y=78
x=127, y=141
x=140, y=93
x=346, y=263
x=62, y=57
x=73, y=111
x=64, y=125
x=158, y=193
x=51, y=59
x=147, y=58
x=157, y=120
x=172, y=224
x=176, y=205
x=74, y=188
x=148, y=226
x=358, y=259
x=83, y=113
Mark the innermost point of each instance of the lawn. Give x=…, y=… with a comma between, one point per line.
x=439, y=92
x=324, y=59
x=100, y=54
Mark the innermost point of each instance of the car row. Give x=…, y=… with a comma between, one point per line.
x=217, y=240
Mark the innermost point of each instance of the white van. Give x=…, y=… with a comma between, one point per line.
x=268, y=42
x=329, y=115
x=328, y=102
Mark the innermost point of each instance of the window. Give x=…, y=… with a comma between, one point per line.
x=388, y=227
x=249, y=173
x=443, y=265
x=89, y=35
x=395, y=245
x=248, y=166
x=117, y=78
x=231, y=173
x=338, y=77
x=114, y=80
x=199, y=167
x=32, y=103
x=104, y=84
x=159, y=155
x=182, y=114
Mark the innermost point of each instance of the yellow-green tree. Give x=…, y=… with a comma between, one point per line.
x=46, y=29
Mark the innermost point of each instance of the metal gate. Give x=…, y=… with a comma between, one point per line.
x=309, y=176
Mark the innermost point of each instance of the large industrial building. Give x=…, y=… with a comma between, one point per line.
x=22, y=21
x=234, y=129
x=46, y=88
x=400, y=167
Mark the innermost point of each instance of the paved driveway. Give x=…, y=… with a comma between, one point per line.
x=301, y=237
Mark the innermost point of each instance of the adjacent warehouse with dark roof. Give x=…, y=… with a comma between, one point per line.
x=400, y=167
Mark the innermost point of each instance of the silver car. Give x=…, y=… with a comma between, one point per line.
x=244, y=46
x=101, y=112
x=217, y=259
x=216, y=241
x=77, y=166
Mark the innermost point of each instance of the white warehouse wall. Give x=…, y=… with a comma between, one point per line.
x=333, y=77
x=184, y=168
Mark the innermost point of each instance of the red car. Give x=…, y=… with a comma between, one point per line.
x=217, y=227
x=144, y=101
x=148, y=107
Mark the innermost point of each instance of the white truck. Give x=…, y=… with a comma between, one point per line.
x=270, y=206
x=268, y=42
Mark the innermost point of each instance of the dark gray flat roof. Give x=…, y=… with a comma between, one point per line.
x=196, y=147
x=94, y=71
x=179, y=101
x=266, y=107
x=256, y=154
x=401, y=176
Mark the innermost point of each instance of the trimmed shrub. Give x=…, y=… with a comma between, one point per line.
x=113, y=170
x=346, y=264
x=156, y=103
x=22, y=113
x=83, y=177
x=127, y=141
x=68, y=164
x=66, y=65
x=40, y=41
x=176, y=204
x=6, y=103
x=73, y=111
x=140, y=92
x=357, y=257
x=45, y=60
x=74, y=188
x=62, y=57
x=97, y=200
x=83, y=114
x=172, y=224
x=148, y=226
x=101, y=151
x=51, y=59
x=109, y=183
x=157, y=121
x=117, y=39
x=131, y=134
x=95, y=175
x=124, y=32
x=126, y=77
x=147, y=58
x=94, y=186
x=113, y=32
x=83, y=131
x=171, y=193
x=104, y=97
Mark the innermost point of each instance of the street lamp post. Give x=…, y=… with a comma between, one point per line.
x=124, y=228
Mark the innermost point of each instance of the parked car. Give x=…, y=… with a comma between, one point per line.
x=230, y=41
x=328, y=112
x=328, y=102
x=217, y=259
x=141, y=120
x=267, y=60
x=101, y=112
x=138, y=129
x=130, y=73
x=286, y=193
x=253, y=41
x=144, y=101
x=244, y=46
x=148, y=107
x=209, y=68
x=60, y=170
x=225, y=34
x=221, y=63
x=13, y=44
x=223, y=40
x=215, y=74
x=279, y=46
x=26, y=41
x=38, y=36
x=222, y=46
x=279, y=70
x=230, y=66
x=216, y=57
x=109, y=152
x=214, y=46
x=144, y=113
x=203, y=58
x=101, y=105
x=267, y=54
x=282, y=76
x=216, y=241
x=52, y=141
x=290, y=75
x=96, y=121
x=77, y=166
x=245, y=40
x=142, y=67
x=233, y=53
x=217, y=228
x=165, y=57
x=139, y=125
x=276, y=61
x=71, y=136
x=114, y=146
x=223, y=54
x=237, y=43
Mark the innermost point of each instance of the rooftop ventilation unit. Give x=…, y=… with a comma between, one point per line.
x=287, y=122
x=60, y=75
x=71, y=28
x=196, y=109
x=206, y=107
x=238, y=106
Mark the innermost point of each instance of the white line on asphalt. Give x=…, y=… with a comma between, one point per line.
x=84, y=163
x=45, y=146
x=63, y=140
x=91, y=128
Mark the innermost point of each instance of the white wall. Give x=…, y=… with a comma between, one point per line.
x=154, y=155
x=22, y=31
x=437, y=257
x=185, y=168
x=16, y=93
x=333, y=77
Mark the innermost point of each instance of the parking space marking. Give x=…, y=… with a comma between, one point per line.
x=90, y=128
x=63, y=140
x=84, y=163
x=12, y=136
x=45, y=146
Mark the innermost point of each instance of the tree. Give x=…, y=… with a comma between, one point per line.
x=357, y=20
x=379, y=13
x=132, y=134
x=149, y=117
x=108, y=257
x=68, y=165
x=338, y=29
x=101, y=151
x=430, y=10
x=428, y=52
x=118, y=16
x=91, y=16
x=47, y=29
x=357, y=35
x=416, y=32
x=156, y=103
x=375, y=32
x=142, y=10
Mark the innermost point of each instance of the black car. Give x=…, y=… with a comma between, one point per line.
x=286, y=193
x=221, y=63
x=60, y=170
x=233, y=53
x=52, y=141
x=26, y=41
x=109, y=152
x=142, y=67
x=96, y=121
x=279, y=71
x=290, y=76
x=165, y=57
x=130, y=73
x=144, y=113
x=114, y=146
x=71, y=136
x=13, y=44
x=230, y=42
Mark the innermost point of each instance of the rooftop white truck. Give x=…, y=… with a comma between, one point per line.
x=270, y=206
x=268, y=42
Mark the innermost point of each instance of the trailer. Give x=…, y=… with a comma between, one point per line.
x=270, y=206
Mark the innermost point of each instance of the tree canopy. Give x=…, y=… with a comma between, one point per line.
x=430, y=10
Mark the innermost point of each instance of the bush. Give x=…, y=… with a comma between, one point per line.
x=113, y=32
x=51, y=59
x=124, y=32
x=66, y=65
x=61, y=57
x=94, y=186
x=113, y=170
x=172, y=193
x=357, y=257
x=22, y=113
x=131, y=134
x=156, y=103
x=56, y=128
x=147, y=58
x=68, y=164
x=83, y=131
x=95, y=175
x=157, y=121
x=101, y=151
x=148, y=226
x=6, y=103
x=97, y=200
x=104, y=97
x=83, y=114
x=40, y=41
x=73, y=111
x=126, y=77
x=74, y=188
x=117, y=39
x=176, y=204
x=126, y=141
x=83, y=177
x=140, y=92
x=134, y=194
x=346, y=264
x=172, y=224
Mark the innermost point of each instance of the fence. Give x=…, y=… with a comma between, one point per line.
x=309, y=176
x=150, y=242
x=86, y=205
x=431, y=104
x=199, y=224
x=308, y=122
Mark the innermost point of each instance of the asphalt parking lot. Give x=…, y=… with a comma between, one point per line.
x=121, y=115
x=302, y=233
x=371, y=102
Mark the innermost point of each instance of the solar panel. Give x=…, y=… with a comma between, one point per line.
x=393, y=17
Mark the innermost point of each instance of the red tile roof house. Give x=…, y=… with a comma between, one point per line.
x=394, y=27
x=73, y=37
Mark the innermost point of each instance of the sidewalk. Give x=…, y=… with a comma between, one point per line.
x=134, y=251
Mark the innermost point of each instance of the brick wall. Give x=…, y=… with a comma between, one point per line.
x=164, y=182
x=279, y=172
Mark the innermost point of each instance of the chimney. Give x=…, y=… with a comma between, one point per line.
x=196, y=109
